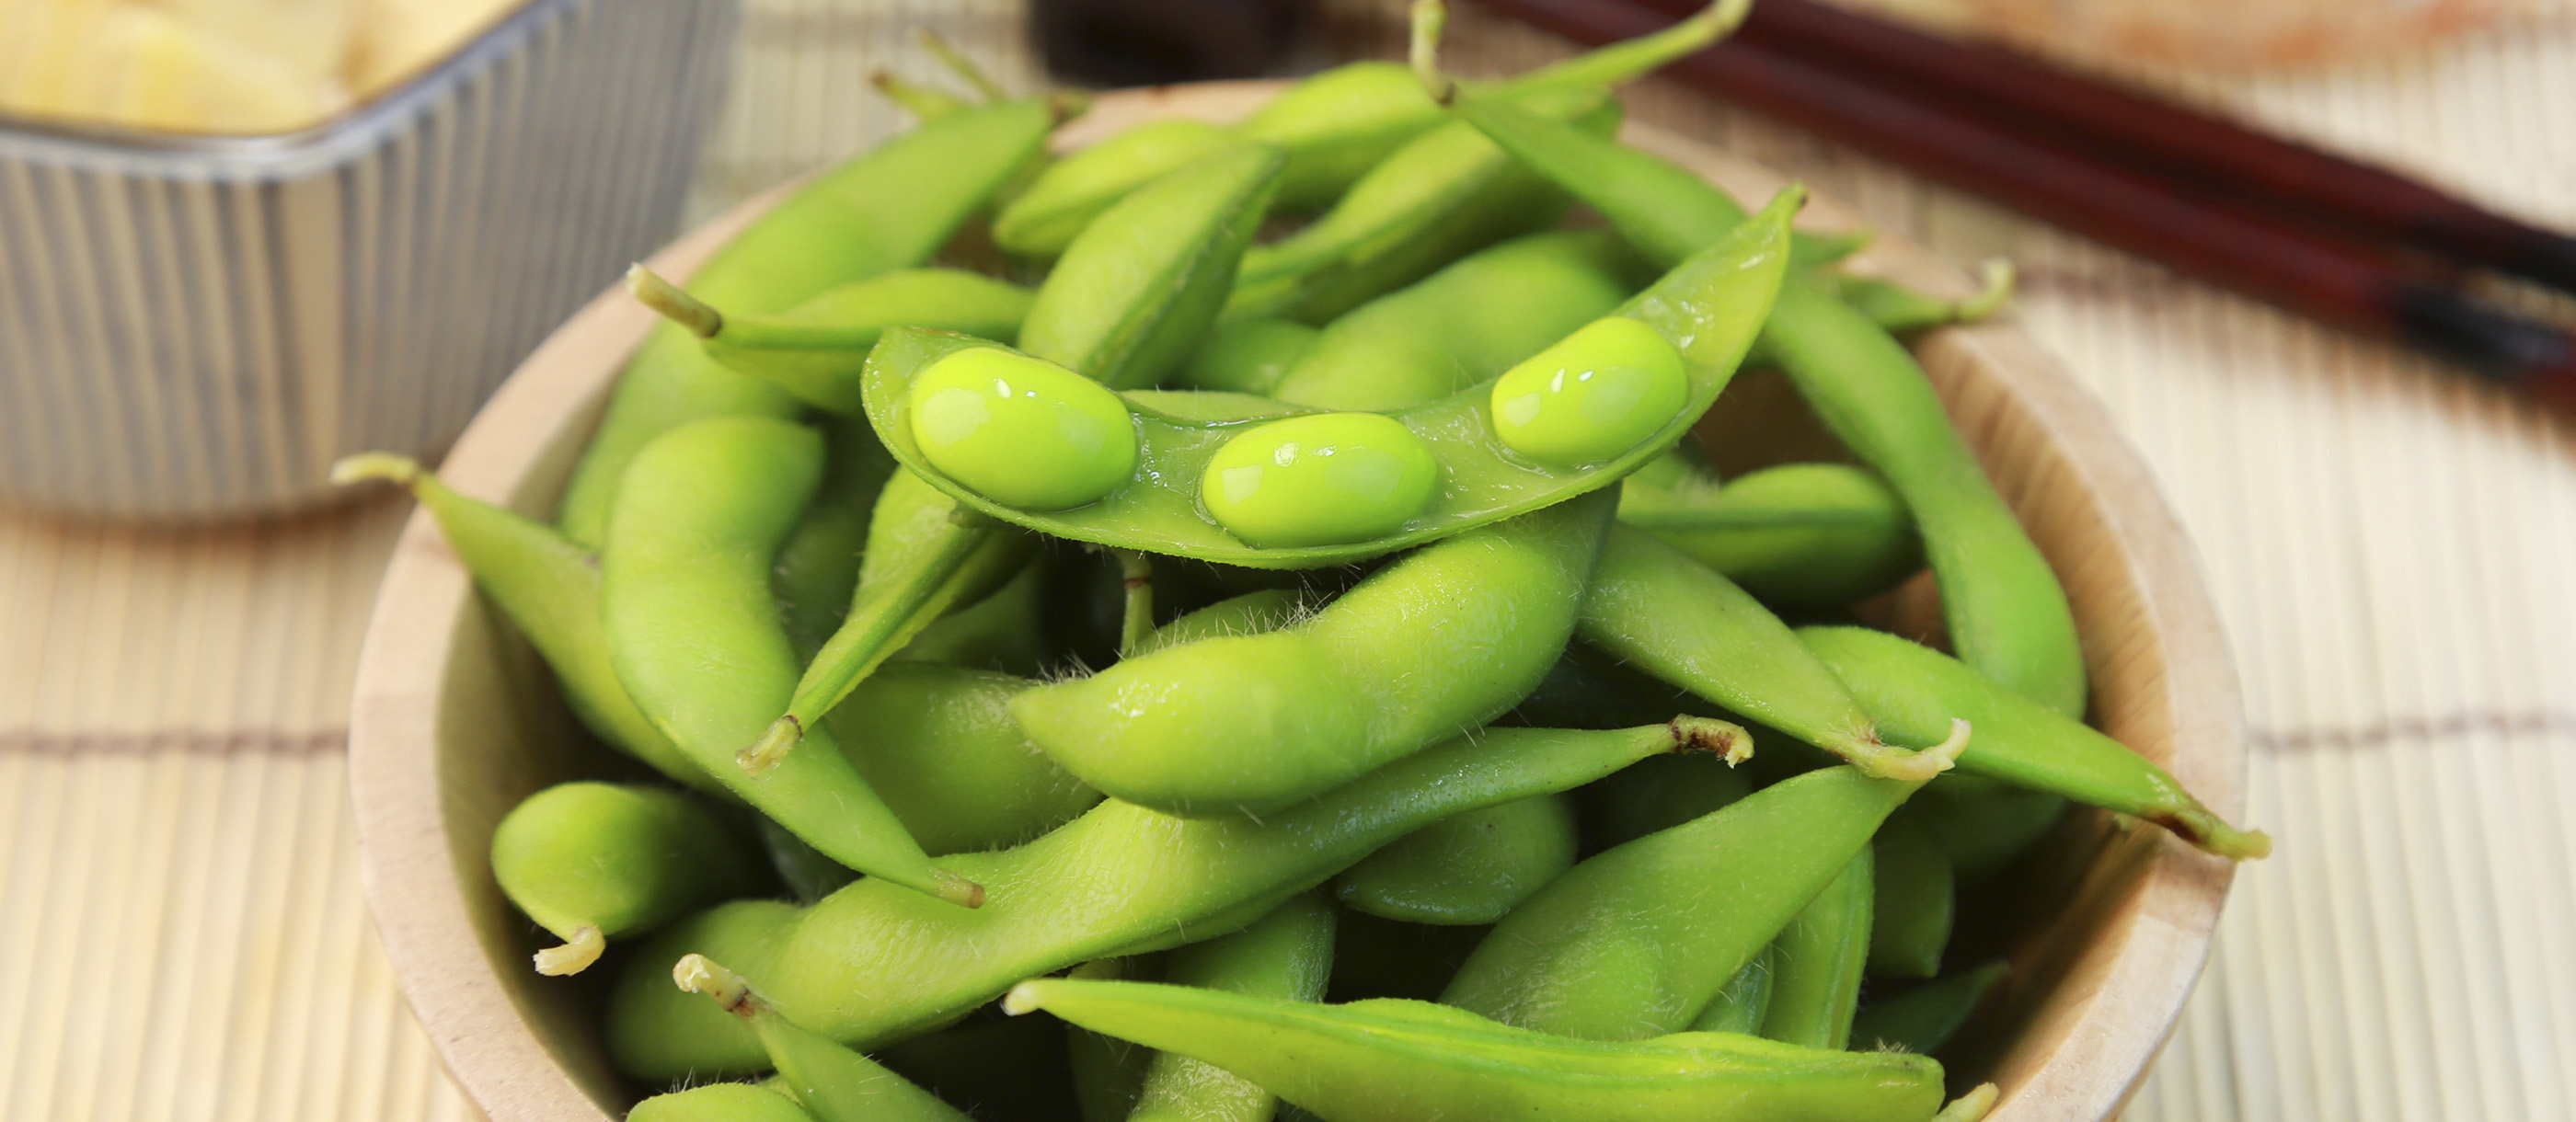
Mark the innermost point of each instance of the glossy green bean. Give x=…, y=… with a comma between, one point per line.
x=875, y=963
x=818, y=568
x=938, y=744
x=694, y=632
x=1818, y=958
x=1745, y=1000
x=549, y=589
x=1137, y=290
x=1916, y=901
x=1284, y=956
x=1445, y=638
x=720, y=1102
x=2005, y=608
x=1460, y=326
x=1632, y=943
x=1924, y=1018
x=1466, y=870
x=592, y=862
x=1400, y=1061
x=1801, y=535
x=832, y=1083
x=889, y=208
x=816, y=349
x=2019, y=740
x=1683, y=622
x=1708, y=307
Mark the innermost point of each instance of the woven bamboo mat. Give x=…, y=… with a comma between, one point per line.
x=181, y=935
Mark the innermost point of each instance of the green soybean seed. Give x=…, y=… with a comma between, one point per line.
x=1320, y=479
x=1600, y=392
x=1029, y=434
x=1709, y=307
x=593, y=861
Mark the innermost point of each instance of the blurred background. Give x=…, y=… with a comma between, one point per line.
x=181, y=933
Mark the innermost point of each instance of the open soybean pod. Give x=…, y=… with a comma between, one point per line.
x=885, y=209
x=1707, y=309
x=1391, y=1060
x=1906, y=687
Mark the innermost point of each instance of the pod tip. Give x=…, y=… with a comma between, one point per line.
x=1971, y=1106
x=399, y=470
x=765, y=754
x=1708, y=734
x=1026, y=997
x=959, y=890
x=696, y=973
x=1430, y=21
x=576, y=954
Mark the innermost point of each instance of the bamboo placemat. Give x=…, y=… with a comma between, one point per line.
x=181, y=935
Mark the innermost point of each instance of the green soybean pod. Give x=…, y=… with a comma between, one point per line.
x=1466, y=870
x=1064, y=199
x=720, y=1102
x=694, y=631
x=1922, y=1019
x=1284, y=956
x=889, y=208
x=2005, y=608
x=816, y=349
x=1137, y=290
x=818, y=567
x=2019, y=740
x=1246, y=356
x=1707, y=308
x=938, y=744
x=1444, y=638
x=1683, y=622
x=1631, y=943
x=549, y=589
x=1916, y=900
x=875, y=963
x=832, y=1083
x=1746, y=999
x=1460, y=326
x=1392, y=1060
x=1801, y=535
x=592, y=862
x=1816, y=973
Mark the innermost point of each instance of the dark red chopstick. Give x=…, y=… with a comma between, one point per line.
x=2329, y=278
x=2029, y=96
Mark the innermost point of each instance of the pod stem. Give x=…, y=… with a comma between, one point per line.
x=675, y=304
x=1430, y=21
x=1998, y=291
x=696, y=973
x=1886, y=761
x=958, y=890
x=1137, y=570
x=960, y=65
x=1708, y=734
x=402, y=471
x=576, y=954
x=765, y=754
x=1970, y=1107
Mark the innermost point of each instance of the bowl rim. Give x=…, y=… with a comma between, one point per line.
x=519, y=447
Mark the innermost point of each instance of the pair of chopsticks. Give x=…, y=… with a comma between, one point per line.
x=2344, y=242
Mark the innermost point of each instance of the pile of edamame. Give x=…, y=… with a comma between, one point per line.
x=1250, y=592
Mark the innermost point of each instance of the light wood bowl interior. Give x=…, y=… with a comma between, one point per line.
x=455, y=721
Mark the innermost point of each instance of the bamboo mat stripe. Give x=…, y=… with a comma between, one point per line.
x=181, y=934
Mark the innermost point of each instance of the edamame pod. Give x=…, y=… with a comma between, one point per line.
x=1071, y=192
x=549, y=589
x=694, y=632
x=720, y=1102
x=1470, y=869
x=816, y=349
x=875, y=963
x=832, y=1083
x=1924, y=1018
x=1708, y=308
x=938, y=744
x=592, y=862
x=885, y=209
x=1681, y=621
x=1285, y=956
x=1802, y=535
x=1916, y=900
x=818, y=568
x=1817, y=962
x=1392, y=1060
x=1460, y=326
x=2004, y=606
x=1635, y=942
x=1445, y=638
x=1746, y=999
x=2019, y=740
x=1137, y=290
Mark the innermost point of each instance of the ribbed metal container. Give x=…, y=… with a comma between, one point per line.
x=194, y=329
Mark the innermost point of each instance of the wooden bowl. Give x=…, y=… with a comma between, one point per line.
x=454, y=721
